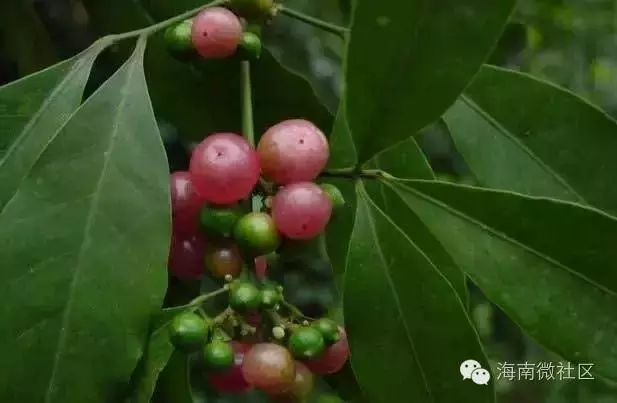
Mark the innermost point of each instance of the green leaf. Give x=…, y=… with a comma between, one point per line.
x=523, y=134
x=33, y=109
x=85, y=239
x=408, y=330
x=174, y=383
x=545, y=262
x=342, y=148
x=158, y=353
x=408, y=61
x=403, y=160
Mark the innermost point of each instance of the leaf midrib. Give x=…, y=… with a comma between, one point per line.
x=61, y=344
x=496, y=233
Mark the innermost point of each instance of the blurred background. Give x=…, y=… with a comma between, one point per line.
x=570, y=42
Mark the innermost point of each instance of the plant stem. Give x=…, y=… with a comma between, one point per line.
x=196, y=302
x=248, y=128
x=316, y=22
x=352, y=173
x=163, y=24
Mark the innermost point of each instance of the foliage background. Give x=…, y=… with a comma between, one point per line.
x=570, y=42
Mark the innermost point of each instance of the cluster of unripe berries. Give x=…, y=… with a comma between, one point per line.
x=283, y=370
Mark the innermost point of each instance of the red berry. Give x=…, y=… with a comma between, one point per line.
x=216, y=33
x=261, y=266
x=232, y=380
x=269, y=366
x=332, y=359
x=298, y=390
x=185, y=203
x=186, y=256
x=224, y=168
x=301, y=210
x=293, y=151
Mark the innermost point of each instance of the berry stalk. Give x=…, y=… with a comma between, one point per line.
x=316, y=22
x=248, y=127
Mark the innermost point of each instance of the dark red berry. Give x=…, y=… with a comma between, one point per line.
x=216, y=33
x=185, y=203
x=269, y=366
x=333, y=358
x=292, y=151
x=224, y=168
x=186, y=256
x=301, y=210
x=232, y=380
x=298, y=390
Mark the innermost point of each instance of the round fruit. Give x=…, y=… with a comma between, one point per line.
x=292, y=151
x=218, y=356
x=219, y=222
x=270, y=296
x=186, y=256
x=301, y=210
x=179, y=41
x=253, y=8
x=223, y=259
x=216, y=33
x=232, y=380
x=224, y=168
x=185, y=203
x=269, y=366
x=333, y=359
x=299, y=389
x=188, y=331
x=335, y=195
x=244, y=296
x=306, y=343
x=256, y=233
x=250, y=46
x=328, y=329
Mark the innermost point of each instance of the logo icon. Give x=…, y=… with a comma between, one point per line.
x=471, y=369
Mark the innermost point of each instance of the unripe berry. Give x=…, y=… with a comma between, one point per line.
x=256, y=234
x=269, y=366
x=301, y=210
x=253, y=9
x=232, y=380
x=333, y=358
x=178, y=39
x=306, y=343
x=223, y=259
x=188, y=331
x=216, y=33
x=250, y=46
x=224, y=168
x=336, y=196
x=292, y=151
x=244, y=296
x=186, y=256
x=185, y=203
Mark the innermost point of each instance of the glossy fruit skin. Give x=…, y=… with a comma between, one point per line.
x=218, y=356
x=219, y=222
x=232, y=380
x=292, y=151
x=336, y=197
x=306, y=343
x=186, y=256
x=250, y=46
x=300, y=389
x=221, y=259
x=178, y=39
x=328, y=329
x=332, y=359
x=269, y=366
x=224, y=168
x=256, y=234
x=269, y=296
x=185, y=203
x=216, y=33
x=301, y=210
x=244, y=296
x=188, y=331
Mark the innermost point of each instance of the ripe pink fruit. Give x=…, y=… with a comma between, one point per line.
x=186, y=256
x=224, y=168
x=301, y=210
x=216, y=33
x=292, y=151
x=185, y=203
x=232, y=380
x=333, y=359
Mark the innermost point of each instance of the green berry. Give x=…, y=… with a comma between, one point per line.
x=334, y=194
x=219, y=222
x=179, y=42
x=218, y=356
x=328, y=329
x=250, y=46
x=253, y=9
x=188, y=331
x=256, y=234
x=244, y=296
x=306, y=343
x=270, y=296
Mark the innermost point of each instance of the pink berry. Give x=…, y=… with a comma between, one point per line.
x=292, y=151
x=301, y=210
x=216, y=33
x=186, y=256
x=224, y=168
x=185, y=203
